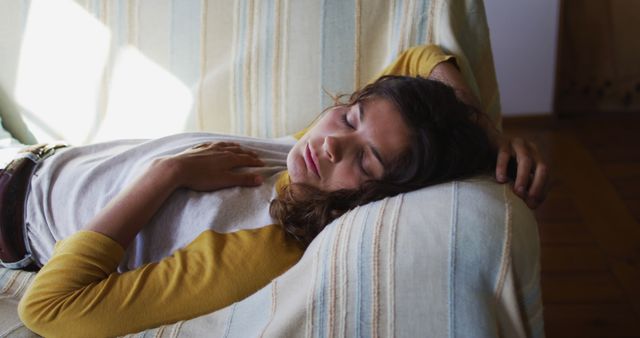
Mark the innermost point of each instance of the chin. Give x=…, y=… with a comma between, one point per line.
x=294, y=169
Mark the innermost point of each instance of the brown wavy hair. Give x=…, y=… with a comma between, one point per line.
x=446, y=143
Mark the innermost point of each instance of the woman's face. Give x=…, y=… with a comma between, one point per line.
x=349, y=145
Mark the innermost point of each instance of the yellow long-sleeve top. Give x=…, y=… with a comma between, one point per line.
x=79, y=294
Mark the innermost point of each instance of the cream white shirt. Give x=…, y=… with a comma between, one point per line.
x=70, y=187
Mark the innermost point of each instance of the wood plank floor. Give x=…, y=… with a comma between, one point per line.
x=590, y=223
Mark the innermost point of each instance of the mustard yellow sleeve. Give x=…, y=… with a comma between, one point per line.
x=419, y=60
x=78, y=292
x=416, y=61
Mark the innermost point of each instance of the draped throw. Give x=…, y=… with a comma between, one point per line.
x=92, y=70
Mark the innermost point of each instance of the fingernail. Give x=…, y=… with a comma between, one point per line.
x=520, y=190
x=502, y=177
x=257, y=180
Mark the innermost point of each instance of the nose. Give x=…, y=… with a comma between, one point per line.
x=331, y=146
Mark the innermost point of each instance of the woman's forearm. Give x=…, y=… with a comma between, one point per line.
x=77, y=295
x=131, y=209
x=447, y=73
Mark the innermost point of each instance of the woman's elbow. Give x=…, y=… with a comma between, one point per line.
x=37, y=313
x=29, y=314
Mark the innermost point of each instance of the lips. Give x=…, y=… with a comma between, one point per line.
x=309, y=160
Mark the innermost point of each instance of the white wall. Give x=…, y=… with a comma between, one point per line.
x=524, y=40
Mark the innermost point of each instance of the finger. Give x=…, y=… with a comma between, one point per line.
x=239, y=150
x=504, y=153
x=226, y=144
x=525, y=163
x=248, y=180
x=537, y=189
x=235, y=147
x=244, y=160
x=202, y=145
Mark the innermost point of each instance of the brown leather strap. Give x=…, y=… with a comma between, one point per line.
x=14, y=181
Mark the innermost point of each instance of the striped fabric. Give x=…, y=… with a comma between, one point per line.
x=259, y=67
x=413, y=265
x=395, y=268
x=13, y=284
x=455, y=260
x=249, y=67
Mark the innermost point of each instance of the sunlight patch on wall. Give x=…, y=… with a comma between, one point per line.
x=145, y=101
x=62, y=59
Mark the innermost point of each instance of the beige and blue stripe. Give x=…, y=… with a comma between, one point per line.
x=261, y=68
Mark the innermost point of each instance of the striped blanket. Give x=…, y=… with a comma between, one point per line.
x=245, y=67
x=455, y=260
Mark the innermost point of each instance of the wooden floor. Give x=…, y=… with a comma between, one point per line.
x=590, y=223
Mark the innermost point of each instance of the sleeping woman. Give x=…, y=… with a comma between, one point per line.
x=130, y=235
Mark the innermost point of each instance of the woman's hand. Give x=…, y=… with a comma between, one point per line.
x=205, y=167
x=532, y=174
x=209, y=166
x=520, y=160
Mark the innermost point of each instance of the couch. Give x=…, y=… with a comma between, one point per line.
x=459, y=259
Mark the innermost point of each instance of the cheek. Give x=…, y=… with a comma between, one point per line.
x=296, y=172
x=332, y=119
x=345, y=177
x=324, y=126
x=291, y=165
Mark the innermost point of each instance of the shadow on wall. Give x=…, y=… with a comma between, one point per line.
x=12, y=119
x=76, y=83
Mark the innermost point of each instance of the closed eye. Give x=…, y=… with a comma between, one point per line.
x=346, y=121
x=361, y=161
x=361, y=154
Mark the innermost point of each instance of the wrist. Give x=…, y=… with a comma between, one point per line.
x=167, y=170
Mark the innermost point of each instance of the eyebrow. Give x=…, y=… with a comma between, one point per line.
x=375, y=151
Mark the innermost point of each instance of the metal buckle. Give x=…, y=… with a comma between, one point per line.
x=50, y=149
